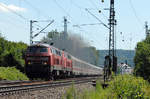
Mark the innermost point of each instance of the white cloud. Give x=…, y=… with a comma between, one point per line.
x=4, y=8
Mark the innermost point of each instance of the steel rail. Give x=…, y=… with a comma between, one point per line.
x=16, y=89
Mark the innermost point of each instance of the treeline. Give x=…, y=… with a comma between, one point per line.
x=11, y=54
x=123, y=56
x=142, y=59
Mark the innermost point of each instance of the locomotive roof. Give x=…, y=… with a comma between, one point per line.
x=40, y=44
x=44, y=45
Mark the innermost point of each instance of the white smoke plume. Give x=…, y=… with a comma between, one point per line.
x=74, y=45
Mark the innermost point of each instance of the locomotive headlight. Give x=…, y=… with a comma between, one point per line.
x=45, y=63
x=29, y=63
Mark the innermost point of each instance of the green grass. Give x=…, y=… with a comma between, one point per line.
x=121, y=87
x=11, y=73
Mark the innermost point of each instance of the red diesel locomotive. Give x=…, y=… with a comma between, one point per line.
x=45, y=61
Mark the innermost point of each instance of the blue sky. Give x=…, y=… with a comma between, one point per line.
x=130, y=14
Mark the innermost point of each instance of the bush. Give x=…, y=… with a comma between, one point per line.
x=121, y=87
x=129, y=87
x=11, y=73
x=71, y=93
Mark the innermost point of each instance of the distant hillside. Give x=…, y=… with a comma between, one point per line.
x=123, y=56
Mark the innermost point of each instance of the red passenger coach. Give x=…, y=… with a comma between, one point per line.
x=45, y=61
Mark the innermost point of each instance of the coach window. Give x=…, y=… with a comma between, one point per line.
x=53, y=51
x=59, y=53
x=50, y=50
x=56, y=52
x=69, y=57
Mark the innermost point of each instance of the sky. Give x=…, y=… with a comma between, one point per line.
x=15, y=16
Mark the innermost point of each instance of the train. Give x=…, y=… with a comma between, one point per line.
x=48, y=62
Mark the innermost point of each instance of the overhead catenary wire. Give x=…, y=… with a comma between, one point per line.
x=82, y=9
x=43, y=28
x=98, y=9
x=35, y=8
x=19, y=15
x=93, y=36
x=92, y=15
x=55, y=1
x=75, y=4
x=140, y=24
x=97, y=18
x=86, y=24
x=134, y=11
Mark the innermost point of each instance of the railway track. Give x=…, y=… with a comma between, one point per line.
x=28, y=86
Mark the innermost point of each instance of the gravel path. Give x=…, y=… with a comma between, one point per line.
x=49, y=93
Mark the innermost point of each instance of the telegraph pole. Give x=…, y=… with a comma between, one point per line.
x=146, y=29
x=65, y=35
x=112, y=23
x=31, y=32
x=65, y=28
x=41, y=31
x=111, y=59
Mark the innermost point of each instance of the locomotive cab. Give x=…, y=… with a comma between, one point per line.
x=37, y=61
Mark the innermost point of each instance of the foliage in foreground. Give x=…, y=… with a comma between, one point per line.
x=142, y=59
x=121, y=87
x=11, y=73
x=11, y=53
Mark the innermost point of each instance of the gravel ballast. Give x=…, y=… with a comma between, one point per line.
x=49, y=93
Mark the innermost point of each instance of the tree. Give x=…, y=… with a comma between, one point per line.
x=142, y=59
x=11, y=53
x=51, y=35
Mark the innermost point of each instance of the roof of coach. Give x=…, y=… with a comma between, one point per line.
x=85, y=62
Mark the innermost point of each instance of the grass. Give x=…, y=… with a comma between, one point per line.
x=11, y=73
x=121, y=87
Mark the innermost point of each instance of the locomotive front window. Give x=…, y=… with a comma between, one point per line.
x=43, y=50
x=37, y=49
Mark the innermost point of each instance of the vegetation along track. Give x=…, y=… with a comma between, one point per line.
x=29, y=86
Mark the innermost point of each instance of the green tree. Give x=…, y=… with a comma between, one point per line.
x=52, y=34
x=96, y=55
x=11, y=53
x=142, y=59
